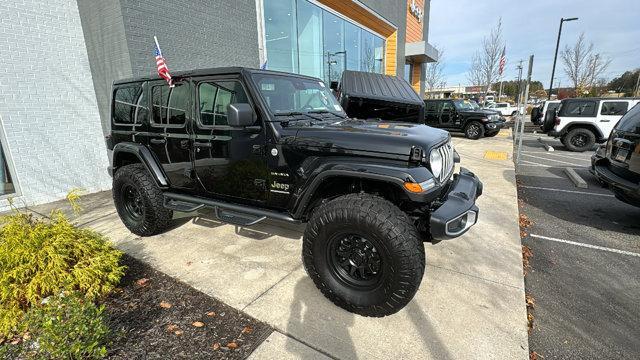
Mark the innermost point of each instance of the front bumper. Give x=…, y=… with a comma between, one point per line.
x=492, y=127
x=459, y=212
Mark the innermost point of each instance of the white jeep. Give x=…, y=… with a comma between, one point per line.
x=582, y=122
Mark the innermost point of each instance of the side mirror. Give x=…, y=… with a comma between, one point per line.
x=240, y=115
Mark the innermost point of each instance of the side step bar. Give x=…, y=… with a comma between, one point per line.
x=227, y=212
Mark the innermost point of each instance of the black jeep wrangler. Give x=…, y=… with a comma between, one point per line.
x=251, y=145
x=462, y=116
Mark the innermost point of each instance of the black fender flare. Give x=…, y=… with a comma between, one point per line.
x=395, y=175
x=146, y=158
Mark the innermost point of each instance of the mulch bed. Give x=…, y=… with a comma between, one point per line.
x=154, y=316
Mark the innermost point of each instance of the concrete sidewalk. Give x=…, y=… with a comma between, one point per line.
x=470, y=305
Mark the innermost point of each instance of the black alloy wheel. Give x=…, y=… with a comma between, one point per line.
x=355, y=260
x=132, y=203
x=474, y=130
x=579, y=140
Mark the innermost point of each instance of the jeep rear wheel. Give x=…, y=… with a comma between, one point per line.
x=139, y=201
x=579, y=139
x=474, y=130
x=364, y=254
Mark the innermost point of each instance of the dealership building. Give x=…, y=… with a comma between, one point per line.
x=59, y=64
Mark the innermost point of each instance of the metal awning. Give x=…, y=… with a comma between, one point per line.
x=420, y=52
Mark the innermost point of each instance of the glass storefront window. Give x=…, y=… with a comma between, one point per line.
x=310, y=39
x=6, y=182
x=281, y=35
x=303, y=38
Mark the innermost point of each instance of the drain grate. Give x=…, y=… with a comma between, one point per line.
x=496, y=155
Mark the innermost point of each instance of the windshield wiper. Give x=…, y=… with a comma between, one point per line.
x=326, y=111
x=298, y=113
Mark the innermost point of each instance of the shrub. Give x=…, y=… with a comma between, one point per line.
x=66, y=327
x=44, y=257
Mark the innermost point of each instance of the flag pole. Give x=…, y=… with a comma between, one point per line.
x=157, y=45
x=500, y=93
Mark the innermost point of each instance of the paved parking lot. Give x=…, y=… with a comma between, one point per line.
x=470, y=303
x=586, y=259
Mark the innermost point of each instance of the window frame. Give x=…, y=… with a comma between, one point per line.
x=8, y=158
x=613, y=101
x=188, y=111
x=595, y=109
x=134, y=121
x=196, y=86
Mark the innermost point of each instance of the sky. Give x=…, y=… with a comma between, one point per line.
x=531, y=27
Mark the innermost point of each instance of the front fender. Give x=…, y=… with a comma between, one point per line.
x=145, y=156
x=321, y=169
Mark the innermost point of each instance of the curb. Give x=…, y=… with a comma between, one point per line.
x=577, y=180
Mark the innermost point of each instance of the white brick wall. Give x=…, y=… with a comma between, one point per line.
x=47, y=101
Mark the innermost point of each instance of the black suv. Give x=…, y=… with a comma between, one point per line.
x=251, y=144
x=617, y=164
x=462, y=116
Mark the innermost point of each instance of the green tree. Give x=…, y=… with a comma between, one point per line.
x=624, y=83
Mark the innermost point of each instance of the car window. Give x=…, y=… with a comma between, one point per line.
x=126, y=101
x=502, y=105
x=614, y=108
x=579, y=109
x=630, y=122
x=448, y=106
x=214, y=100
x=432, y=106
x=553, y=106
x=170, y=104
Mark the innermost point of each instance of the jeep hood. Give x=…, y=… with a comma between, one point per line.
x=378, y=138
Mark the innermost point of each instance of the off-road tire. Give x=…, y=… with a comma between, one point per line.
x=470, y=134
x=571, y=143
x=392, y=233
x=155, y=217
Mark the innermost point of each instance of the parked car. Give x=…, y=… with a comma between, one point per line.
x=462, y=116
x=580, y=123
x=504, y=108
x=254, y=145
x=617, y=164
x=538, y=112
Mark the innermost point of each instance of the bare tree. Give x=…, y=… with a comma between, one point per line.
x=434, y=73
x=486, y=62
x=582, y=65
x=474, y=76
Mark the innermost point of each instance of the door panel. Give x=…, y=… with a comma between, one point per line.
x=229, y=162
x=169, y=134
x=609, y=114
x=447, y=114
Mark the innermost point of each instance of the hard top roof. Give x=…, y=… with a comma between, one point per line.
x=375, y=86
x=210, y=71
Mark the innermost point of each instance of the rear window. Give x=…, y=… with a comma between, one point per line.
x=578, y=109
x=126, y=102
x=614, y=108
x=432, y=106
x=630, y=122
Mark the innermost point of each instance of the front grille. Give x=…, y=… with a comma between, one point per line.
x=446, y=151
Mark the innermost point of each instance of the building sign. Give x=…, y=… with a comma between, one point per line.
x=416, y=10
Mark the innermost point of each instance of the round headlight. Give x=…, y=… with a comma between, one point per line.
x=435, y=161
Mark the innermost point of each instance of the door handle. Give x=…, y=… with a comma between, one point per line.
x=158, y=141
x=603, y=120
x=202, y=144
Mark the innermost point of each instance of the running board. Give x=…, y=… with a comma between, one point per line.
x=232, y=213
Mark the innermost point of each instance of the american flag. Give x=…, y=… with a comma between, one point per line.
x=163, y=70
x=503, y=60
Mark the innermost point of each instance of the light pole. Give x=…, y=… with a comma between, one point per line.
x=555, y=57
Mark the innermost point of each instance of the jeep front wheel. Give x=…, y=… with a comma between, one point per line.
x=139, y=201
x=364, y=254
x=579, y=139
x=474, y=130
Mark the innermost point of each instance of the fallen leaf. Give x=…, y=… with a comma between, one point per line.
x=165, y=305
x=232, y=345
x=26, y=336
x=172, y=328
x=247, y=330
x=216, y=346
x=142, y=282
x=211, y=313
x=179, y=332
x=198, y=324
x=531, y=302
x=15, y=341
x=189, y=263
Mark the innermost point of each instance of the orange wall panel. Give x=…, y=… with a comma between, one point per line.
x=391, y=54
x=414, y=27
x=416, y=73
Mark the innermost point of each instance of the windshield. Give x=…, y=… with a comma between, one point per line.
x=466, y=105
x=290, y=94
